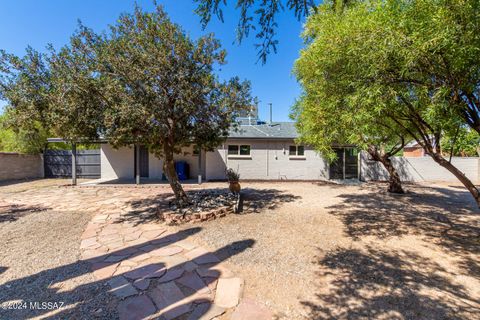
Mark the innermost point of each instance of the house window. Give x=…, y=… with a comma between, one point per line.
x=295, y=151
x=232, y=149
x=238, y=150
x=244, y=150
x=196, y=150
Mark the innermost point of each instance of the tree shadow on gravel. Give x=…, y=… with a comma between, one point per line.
x=376, y=284
x=146, y=210
x=13, y=212
x=254, y=200
x=439, y=215
x=178, y=287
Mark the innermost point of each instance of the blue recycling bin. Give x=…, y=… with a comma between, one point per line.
x=183, y=170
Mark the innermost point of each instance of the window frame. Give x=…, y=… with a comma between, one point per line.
x=296, y=155
x=238, y=148
x=195, y=150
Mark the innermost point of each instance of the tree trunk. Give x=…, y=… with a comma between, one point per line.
x=395, y=184
x=169, y=170
x=459, y=175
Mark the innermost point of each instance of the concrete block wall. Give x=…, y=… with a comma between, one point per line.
x=15, y=166
x=268, y=160
x=417, y=169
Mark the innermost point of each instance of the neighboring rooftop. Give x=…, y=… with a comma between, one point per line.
x=262, y=130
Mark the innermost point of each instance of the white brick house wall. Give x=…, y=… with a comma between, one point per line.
x=268, y=160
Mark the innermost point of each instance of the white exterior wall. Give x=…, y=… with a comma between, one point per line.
x=192, y=160
x=416, y=169
x=116, y=163
x=269, y=160
x=119, y=163
x=155, y=167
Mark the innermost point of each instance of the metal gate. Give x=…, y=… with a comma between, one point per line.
x=58, y=163
x=345, y=165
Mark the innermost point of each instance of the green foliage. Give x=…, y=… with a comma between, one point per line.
x=390, y=61
x=160, y=89
x=31, y=141
x=411, y=66
x=144, y=81
x=465, y=142
x=330, y=111
x=258, y=16
x=24, y=83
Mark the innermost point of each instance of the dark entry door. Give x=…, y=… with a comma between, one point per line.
x=143, y=162
x=351, y=163
x=345, y=165
x=336, y=167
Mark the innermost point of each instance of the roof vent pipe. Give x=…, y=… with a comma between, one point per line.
x=270, y=104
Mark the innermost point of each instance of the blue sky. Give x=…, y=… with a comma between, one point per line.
x=37, y=23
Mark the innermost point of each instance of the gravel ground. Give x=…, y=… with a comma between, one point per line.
x=39, y=263
x=321, y=251
x=326, y=251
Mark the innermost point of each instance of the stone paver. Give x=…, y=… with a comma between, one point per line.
x=156, y=272
x=172, y=274
x=170, y=300
x=207, y=311
x=153, y=270
x=121, y=287
x=193, y=281
x=249, y=309
x=201, y=256
x=149, y=271
x=135, y=308
x=228, y=292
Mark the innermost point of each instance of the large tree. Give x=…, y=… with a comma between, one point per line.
x=323, y=121
x=142, y=82
x=162, y=87
x=57, y=90
x=379, y=56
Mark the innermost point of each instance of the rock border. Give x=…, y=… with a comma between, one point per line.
x=174, y=218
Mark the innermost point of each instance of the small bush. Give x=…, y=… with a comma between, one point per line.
x=232, y=175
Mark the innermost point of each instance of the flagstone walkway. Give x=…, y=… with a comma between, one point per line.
x=154, y=270
x=159, y=273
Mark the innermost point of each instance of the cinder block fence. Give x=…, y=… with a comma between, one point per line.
x=15, y=166
x=417, y=169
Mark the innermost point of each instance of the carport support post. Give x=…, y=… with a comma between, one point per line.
x=137, y=164
x=199, y=165
x=74, y=164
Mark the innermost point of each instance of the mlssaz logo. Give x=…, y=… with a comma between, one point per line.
x=46, y=305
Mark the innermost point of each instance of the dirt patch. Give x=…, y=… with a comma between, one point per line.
x=355, y=252
x=321, y=251
x=39, y=263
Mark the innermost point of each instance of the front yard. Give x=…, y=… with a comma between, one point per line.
x=304, y=250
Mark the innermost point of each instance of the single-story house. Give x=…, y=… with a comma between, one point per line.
x=258, y=151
